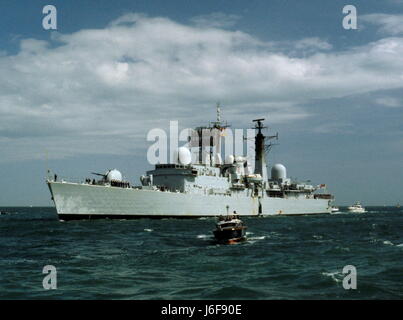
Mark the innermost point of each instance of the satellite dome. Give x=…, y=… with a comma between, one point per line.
x=229, y=159
x=184, y=156
x=278, y=172
x=114, y=175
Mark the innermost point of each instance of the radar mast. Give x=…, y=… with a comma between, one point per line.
x=260, y=159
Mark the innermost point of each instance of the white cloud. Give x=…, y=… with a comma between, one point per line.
x=334, y=128
x=313, y=43
x=100, y=90
x=389, y=102
x=391, y=24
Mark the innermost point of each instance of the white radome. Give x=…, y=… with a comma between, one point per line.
x=184, y=156
x=114, y=175
x=278, y=172
x=229, y=159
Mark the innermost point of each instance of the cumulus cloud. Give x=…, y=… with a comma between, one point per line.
x=391, y=24
x=313, y=43
x=101, y=90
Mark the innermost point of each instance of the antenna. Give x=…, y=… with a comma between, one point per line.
x=259, y=124
x=259, y=121
x=218, y=124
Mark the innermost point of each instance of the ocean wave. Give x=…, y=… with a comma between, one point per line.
x=335, y=276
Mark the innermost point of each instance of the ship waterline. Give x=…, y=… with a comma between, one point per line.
x=85, y=201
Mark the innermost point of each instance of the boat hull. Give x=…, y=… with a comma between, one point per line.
x=230, y=235
x=85, y=201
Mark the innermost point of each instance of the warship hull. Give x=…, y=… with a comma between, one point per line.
x=84, y=201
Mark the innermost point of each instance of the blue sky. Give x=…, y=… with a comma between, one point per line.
x=87, y=94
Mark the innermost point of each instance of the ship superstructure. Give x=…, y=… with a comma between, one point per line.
x=194, y=187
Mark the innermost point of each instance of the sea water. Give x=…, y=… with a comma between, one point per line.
x=285, y=257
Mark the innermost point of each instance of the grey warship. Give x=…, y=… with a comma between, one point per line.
x=193, y=189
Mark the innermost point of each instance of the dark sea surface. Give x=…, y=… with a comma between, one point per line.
x=285, y=257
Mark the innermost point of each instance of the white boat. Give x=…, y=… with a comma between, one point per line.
x=357, y=208
x=335, y=209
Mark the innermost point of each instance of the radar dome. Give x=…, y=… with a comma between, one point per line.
x=278, y=172
x=229, y=159
x=114, y=175
x=184, y=156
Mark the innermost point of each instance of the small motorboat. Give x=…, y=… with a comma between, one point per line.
x=356, y=208
x=229, y=230
x=335, y=209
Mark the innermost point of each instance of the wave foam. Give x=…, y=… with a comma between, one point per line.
x=334, y=275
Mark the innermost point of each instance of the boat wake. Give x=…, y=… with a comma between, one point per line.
x=204, y=236
x=255, y=238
